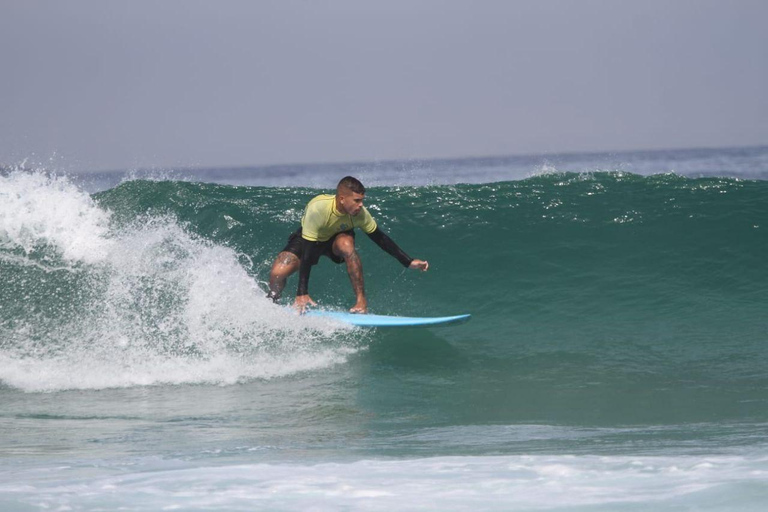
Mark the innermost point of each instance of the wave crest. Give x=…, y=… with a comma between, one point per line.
x=92, y=304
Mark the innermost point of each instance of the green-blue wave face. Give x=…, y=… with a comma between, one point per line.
x=597, y=299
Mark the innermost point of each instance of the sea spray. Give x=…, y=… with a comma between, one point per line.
x=92, y=303
x=39, y=211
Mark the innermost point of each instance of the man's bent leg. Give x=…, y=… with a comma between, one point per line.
x=344, y=246
x=285, y=264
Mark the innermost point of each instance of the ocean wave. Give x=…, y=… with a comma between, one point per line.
x=601, y=278
x=89, y=302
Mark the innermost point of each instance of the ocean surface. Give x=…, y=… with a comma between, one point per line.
x=616, y=359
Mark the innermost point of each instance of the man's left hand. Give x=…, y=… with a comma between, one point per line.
x=419, y=265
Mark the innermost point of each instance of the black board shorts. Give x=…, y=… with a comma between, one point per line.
x=294, y=246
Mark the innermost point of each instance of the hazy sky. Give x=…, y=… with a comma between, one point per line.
x=109, y=85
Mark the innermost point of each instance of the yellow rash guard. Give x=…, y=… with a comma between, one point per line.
x=322, y=220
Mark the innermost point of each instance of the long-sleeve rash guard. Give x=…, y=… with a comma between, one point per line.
x=322, y=221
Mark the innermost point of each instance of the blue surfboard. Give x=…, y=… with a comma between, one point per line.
x=359, y=320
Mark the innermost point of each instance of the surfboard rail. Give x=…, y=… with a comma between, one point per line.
x=368, y=320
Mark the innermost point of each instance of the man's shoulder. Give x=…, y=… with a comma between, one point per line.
x=321, y=201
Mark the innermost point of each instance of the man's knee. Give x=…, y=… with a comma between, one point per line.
x=344, y=245
x=286, y=263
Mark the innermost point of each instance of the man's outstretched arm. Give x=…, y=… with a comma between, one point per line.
x=381, y=239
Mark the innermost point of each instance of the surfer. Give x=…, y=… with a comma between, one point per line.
x=327, y=229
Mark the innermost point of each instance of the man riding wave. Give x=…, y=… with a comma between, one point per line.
x=327, y=229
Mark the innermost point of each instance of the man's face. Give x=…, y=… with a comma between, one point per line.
x=351, y=202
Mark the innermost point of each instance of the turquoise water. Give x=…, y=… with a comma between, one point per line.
x=615, y=359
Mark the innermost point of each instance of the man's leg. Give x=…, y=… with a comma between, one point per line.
x=285, y=264
x=344, y=246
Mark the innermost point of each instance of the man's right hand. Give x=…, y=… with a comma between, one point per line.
x=419, y=265
x=302, y=302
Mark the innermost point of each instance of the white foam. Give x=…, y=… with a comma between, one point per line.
x=39, y=210
x=157, y=305
x=554, y=482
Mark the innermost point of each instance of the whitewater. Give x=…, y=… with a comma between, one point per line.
x=615, y=360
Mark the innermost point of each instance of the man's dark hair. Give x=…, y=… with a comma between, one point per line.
x=352, y=184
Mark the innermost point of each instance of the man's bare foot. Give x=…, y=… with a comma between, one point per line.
x=360, y=307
